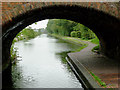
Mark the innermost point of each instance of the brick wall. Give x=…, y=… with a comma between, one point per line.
x=13, y=9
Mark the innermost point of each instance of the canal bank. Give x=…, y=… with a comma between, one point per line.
x=86, y=62
x=82, y=44
x=42, y=65
x=80, y=71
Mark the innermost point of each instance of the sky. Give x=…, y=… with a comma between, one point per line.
x=40, y=24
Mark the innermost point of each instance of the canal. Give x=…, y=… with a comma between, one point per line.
x=42, y=64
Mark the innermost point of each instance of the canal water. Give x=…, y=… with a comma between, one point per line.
x=42, y=64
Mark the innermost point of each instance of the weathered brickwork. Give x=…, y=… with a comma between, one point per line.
x=103, y=18
x=13, y=9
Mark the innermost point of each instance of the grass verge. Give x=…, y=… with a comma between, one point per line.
x=98, y=80
x=94, y=40
x=72, y=40
x=78, y=41
x=96, y=48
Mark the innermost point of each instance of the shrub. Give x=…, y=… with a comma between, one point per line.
x=73, y=34
x=76, y=34
x=95, y=40
x=96, y=49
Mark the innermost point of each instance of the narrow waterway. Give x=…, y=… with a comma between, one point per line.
x=43, y=65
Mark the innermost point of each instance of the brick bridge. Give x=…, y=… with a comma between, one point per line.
x=101, y=17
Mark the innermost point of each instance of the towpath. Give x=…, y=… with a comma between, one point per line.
x=105, y=68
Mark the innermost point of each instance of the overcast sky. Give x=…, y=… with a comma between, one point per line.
x=40, y=24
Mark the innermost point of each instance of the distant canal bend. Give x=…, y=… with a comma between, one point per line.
x=43, y=65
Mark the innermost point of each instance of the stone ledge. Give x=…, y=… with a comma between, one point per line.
x=82, y=74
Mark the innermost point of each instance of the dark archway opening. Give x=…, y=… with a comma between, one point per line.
x=106, y=27
x=27, y=63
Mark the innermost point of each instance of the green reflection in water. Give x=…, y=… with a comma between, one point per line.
x=63, y=56
x=22, y=77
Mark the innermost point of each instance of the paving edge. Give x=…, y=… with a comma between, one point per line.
x=83, y=75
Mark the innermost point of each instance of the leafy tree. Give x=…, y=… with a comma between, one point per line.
x=86, y=33
x=27, y=33
x=60, y=26
x=73, y=34
x=69, y=28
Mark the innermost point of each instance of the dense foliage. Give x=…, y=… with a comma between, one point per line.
x=27, y=33
x=60, y=26
x=85, y=32
x=64, y=27
x=69, y=28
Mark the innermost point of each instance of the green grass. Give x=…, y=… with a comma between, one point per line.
x=78, y=41
x=75, y=40
x=99, y=80
x=72, y=40
x=94, y=40
x=96, y=49
x=79, y=49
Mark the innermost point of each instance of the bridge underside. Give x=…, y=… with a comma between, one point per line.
x=106, y=27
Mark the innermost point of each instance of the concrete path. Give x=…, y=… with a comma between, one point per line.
x=103, y=67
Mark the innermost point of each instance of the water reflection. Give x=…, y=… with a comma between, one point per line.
x=43, y=64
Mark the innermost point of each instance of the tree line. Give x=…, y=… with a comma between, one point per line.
x=27, y=33
x=65, y=27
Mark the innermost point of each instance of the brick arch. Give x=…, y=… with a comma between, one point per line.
x=105, y=26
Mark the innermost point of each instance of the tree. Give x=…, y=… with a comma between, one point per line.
x=60, y=26
x=69, y=28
